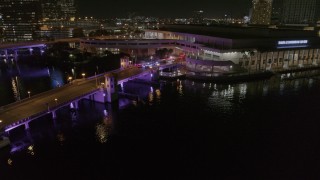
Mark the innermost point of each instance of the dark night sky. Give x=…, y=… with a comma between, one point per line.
x=163, y=8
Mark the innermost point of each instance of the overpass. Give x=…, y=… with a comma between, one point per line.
x=22, y=112
x=10, y=50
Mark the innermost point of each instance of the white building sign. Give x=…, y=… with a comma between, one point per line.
x=293, y=42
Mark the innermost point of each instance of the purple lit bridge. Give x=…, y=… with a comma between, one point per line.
x=21, y=113
x=10, y=51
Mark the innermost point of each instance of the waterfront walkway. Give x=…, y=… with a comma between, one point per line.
x=39, y=104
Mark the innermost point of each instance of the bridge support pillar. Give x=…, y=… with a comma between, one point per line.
x=31, y=51
x=54, y=114
x=6, y=54
x=111, y=85
x=76, y=104
x=41, y=51
x=26, y=126
x=92, y=98
x=15, y=55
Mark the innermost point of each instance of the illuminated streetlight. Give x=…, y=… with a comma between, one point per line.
x=56, y=100
x=0, y=121
x=29, y=93
x=70, y=79
x=83, y=75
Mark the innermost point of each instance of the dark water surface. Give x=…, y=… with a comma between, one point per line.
x=180, y=130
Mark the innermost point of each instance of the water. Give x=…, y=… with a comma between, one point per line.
x=180, y=130
x=16, y=81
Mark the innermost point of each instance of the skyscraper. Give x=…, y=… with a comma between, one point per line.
x=261, y=12
x=20, y=18
x=68, y=9
x=198, y=17
x=50, y=9
x=300, y=11
x=1, y=28
x=276, y=15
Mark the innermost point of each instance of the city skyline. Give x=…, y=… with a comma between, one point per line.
x=164, y=8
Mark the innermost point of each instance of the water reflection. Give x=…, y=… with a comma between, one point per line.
x=103, y=129
x=243, y=91
x=15, y=83
x=61, y=138
x=265, y=89
x=57, y=78
x=15, y=88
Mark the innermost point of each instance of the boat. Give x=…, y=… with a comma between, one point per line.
x=4, y=141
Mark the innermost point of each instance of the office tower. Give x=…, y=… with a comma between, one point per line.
x=50, y=9
x=20, y=18
x=276, y=15
x=261, y=12
x=198, y=17
x=300, y=11
x=68, y=9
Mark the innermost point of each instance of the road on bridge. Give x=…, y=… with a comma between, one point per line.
x=40, y=103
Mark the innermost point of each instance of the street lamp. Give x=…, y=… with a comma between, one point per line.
x=102, y=85
x=0, y=121
x=83, y=75
x=29, y=93
x=70, y=79
x=56, y=100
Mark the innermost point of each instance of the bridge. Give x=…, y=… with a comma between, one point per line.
x=22, y=112
x=10, y=50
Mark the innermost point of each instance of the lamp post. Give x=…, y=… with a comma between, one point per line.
x=29, y=93
x=102, y=85
x=70, y=79
x=56, y=100
x=83, y=75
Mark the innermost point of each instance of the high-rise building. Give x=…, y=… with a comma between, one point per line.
x=1, y=28
x=276, y=15
x=58, y=9
x=50, y=9
x=20, y=18
x=68, y=9
x=300, y=11
x=198, y=17
x=261, y=12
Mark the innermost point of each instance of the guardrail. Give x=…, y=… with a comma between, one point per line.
x=55, y=89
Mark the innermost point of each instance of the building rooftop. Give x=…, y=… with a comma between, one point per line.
x=240, y=32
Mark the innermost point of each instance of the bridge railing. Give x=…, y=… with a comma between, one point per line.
x=52, y=90
x=33, y=97
x=46, y=110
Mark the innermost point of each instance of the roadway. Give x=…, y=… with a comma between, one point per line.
x=17, y=45
x=40, y=103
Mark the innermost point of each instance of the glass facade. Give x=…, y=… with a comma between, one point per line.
x=20, y=19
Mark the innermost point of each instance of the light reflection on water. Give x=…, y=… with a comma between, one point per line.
x=15, y=88
x=220, y=100
x=16, y=82
x=103, y=129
